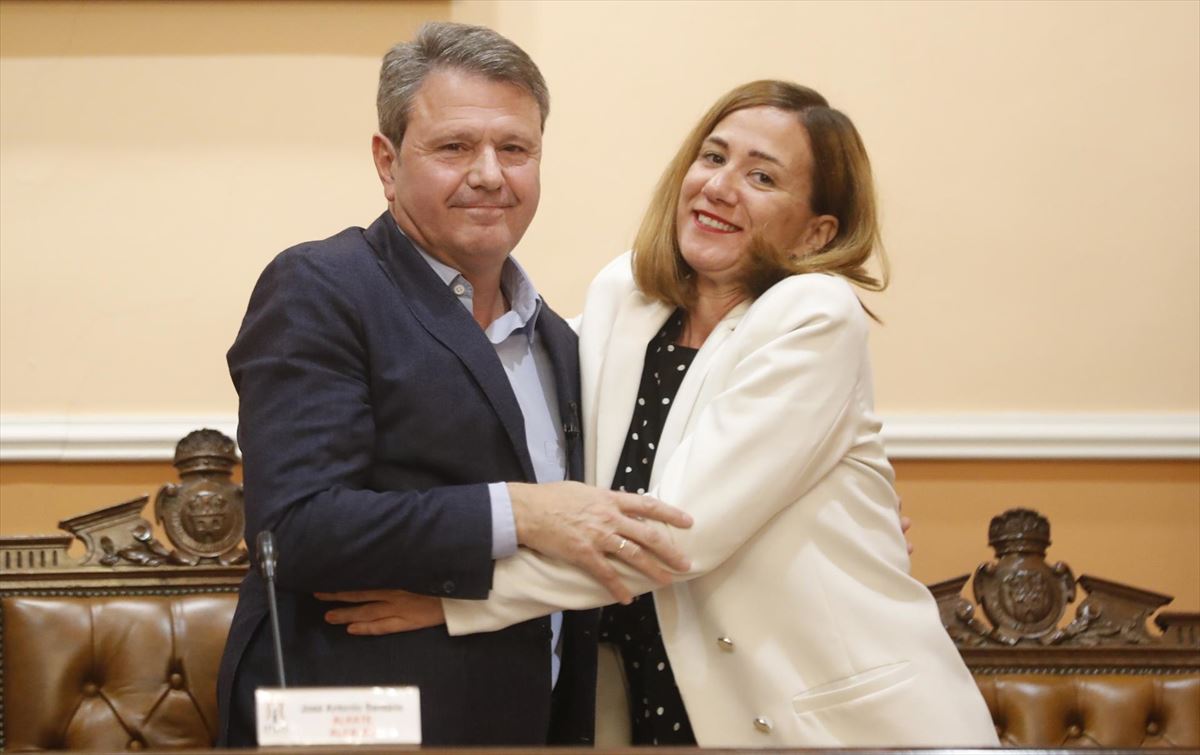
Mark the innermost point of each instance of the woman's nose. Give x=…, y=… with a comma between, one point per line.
x=718, y=188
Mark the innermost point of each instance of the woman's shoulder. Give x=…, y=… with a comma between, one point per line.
x=803, y=297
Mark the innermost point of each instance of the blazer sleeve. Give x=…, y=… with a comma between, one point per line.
x=307, y=431
x=787, y=415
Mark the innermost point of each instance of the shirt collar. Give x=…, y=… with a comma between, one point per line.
x=524, y=303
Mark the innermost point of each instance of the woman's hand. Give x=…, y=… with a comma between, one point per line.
x=383, y=611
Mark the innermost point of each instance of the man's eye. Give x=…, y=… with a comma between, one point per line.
x=454, y=147
x=514, y=148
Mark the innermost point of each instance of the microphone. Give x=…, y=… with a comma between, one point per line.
x=571, y=424
x=265, y=543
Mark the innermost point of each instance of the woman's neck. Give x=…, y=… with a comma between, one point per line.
x=709, y=308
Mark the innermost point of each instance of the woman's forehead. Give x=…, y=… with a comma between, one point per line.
x=767, y=133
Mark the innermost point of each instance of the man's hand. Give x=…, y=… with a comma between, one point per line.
x=584, y=526
x=383, y=611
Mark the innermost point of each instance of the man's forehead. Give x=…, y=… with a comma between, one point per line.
x=453, y=89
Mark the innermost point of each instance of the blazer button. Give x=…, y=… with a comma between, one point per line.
x=725, y=644
x=1152, y=728
x=176, y=681
x=762, y=725
x=448, y=587
x=1074, y=731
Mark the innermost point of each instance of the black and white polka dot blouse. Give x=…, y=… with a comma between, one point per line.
x=656, y=708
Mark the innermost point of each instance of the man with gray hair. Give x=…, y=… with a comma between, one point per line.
x=409, y=414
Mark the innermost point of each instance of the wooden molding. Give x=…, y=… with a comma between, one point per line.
x=908, y=436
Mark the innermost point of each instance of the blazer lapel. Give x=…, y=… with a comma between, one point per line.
x=445, y=318
x=684, y=404
x=620, y=374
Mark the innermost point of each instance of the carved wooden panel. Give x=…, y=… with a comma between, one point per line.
x=202, y=514
x=1024, y=599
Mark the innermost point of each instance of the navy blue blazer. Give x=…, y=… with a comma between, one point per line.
x=373, y=413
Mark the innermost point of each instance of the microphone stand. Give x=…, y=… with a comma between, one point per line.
x=266, y=564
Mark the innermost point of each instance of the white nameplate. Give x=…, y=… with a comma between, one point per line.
x=338, y=716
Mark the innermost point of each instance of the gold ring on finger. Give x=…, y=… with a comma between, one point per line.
x=624, y=542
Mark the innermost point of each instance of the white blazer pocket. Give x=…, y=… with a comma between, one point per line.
x=852, y=688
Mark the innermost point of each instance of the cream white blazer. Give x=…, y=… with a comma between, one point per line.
x=799, y=624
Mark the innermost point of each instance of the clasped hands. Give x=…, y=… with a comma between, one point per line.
x=579, y=524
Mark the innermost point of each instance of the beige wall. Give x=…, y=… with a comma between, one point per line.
x=1039, y=165
x=155, y=156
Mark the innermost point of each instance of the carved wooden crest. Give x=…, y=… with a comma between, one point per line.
x=1022, y=595
x=1024, y=599
x=204, y=514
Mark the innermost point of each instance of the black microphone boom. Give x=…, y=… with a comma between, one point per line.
x=266, y=567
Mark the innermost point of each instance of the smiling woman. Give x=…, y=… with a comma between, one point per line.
x=804, y=192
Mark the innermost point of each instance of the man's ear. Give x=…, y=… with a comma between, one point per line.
x=386, y=157
x=821, y=231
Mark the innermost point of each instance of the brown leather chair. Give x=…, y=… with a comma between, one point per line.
x=111, y=671
x=119, y=649
x=1101, y=710
x=1105, y=679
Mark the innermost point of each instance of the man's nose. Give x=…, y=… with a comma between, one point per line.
x=485, y=173
x=719, y=188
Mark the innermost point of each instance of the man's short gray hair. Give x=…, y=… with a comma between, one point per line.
x=445, y=45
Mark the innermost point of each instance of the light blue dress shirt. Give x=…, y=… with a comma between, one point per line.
x=527, y=364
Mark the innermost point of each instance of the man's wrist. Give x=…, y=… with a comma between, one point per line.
x=504, y=523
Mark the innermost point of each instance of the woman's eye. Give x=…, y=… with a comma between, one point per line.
x=762, y=178
x=713, y=158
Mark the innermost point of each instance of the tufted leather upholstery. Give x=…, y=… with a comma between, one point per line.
x=1102, y=710
x=127, y=672
x=120, y=672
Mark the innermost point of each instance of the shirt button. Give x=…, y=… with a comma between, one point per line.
x=459, y=289
x=762, y=724
x=725, y=644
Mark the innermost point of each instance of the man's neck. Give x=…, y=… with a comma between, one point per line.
x=489, y=301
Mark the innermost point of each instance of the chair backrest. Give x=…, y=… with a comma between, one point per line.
x=119, y=649
x=1107, y=678
x=111, y=668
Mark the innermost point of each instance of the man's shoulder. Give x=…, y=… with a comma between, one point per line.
x=347, y=259
x=344, y=249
